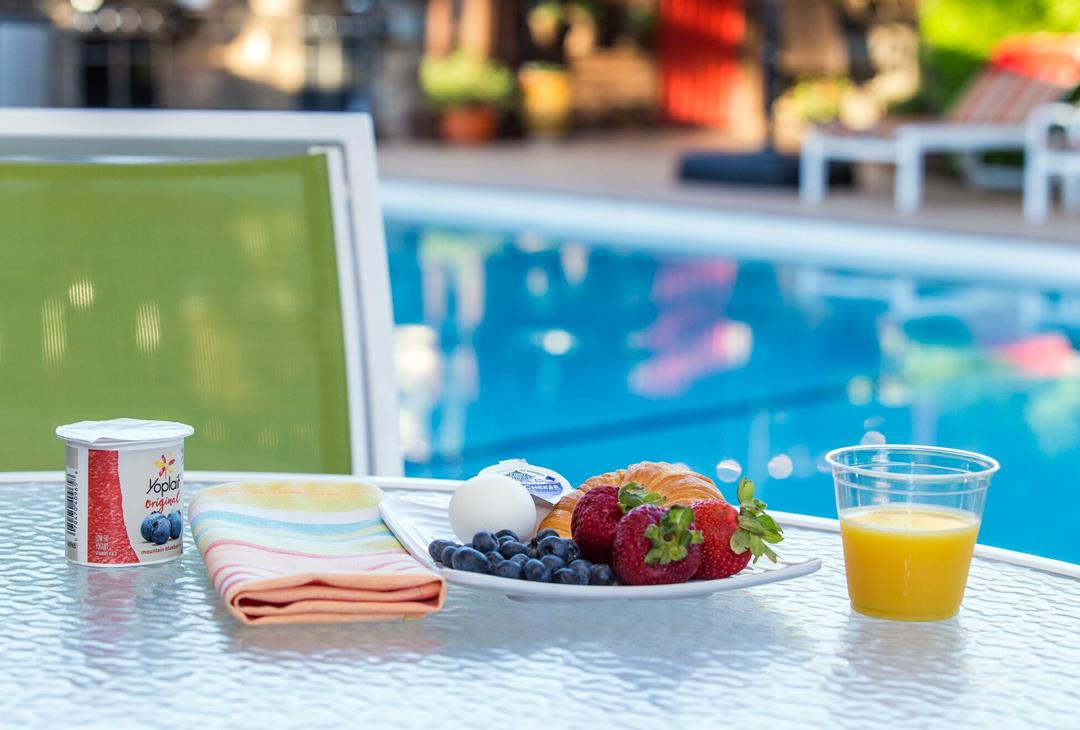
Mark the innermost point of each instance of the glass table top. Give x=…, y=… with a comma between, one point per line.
x=153, y=646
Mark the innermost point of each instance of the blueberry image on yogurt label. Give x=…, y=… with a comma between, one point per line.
x=176, y=524
x=159, y=529
x=145, y=529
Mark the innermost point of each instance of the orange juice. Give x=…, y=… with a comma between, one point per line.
x=907, y=562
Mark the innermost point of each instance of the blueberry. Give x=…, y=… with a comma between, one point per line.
x=471, y=560
x=572, y=577
x=176, y=524
x=510, y=549
x=520, y=559
x=546, y=546
x=447, y=555
x=581, y=567
x=485, y=542
x=536, y=571
x=507, y=538
x=144, y=528
x=572, y=550
x=601, y=575
x=508, y=569
x=533, y=552
x=159, y=530
x=493, y=558
x=554, y=546
x=508, y=533
x=546, y=533
x=437, y=546
x=554, y=562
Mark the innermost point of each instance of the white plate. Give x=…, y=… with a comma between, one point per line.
x=417, y=520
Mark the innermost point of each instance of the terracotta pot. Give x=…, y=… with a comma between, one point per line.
x=468, y=124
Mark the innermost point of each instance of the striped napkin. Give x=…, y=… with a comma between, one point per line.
x=308, y=552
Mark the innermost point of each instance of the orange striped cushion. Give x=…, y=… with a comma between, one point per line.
x=1002, y=97
x=1024, y=72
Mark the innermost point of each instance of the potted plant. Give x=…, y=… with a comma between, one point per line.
x=469, y=93
x=546, y=99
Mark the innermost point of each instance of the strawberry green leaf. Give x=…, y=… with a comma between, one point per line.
x=756, y=529
x=769, y=523
x=745, y=491
x=757, y=547
x=751, y=525
x=671, y=536
x=633, y=495
x=678, y=517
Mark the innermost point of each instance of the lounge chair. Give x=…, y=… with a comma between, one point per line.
x=226, y=269
x=1048, y=156
x=990, y=114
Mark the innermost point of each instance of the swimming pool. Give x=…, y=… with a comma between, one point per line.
x=585, y=355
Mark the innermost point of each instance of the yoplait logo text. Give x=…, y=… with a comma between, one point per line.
x=167, y=489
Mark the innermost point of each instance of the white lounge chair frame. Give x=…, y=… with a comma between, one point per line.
x=1044, y=163
x=348, y=142
x=990, y=114
x=906, y=149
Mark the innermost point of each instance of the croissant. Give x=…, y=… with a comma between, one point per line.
x=677, y=484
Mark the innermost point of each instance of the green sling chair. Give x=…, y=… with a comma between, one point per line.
x=202, y=292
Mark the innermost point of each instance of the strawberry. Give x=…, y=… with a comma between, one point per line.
x=597, y=514
x=653, y=545
x=733, y=536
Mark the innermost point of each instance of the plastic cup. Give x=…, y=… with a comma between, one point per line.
x=909, y=518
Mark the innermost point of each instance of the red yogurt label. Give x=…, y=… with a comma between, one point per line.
x=107, y=536
x=123, y=506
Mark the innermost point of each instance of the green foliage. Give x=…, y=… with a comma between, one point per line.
x=959, y=34
x=818, y=99
x=552, y=9
x=464, y=79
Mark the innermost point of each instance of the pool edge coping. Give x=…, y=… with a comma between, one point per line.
x=665, y=226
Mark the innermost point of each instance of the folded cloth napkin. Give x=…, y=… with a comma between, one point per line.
x=308, y=552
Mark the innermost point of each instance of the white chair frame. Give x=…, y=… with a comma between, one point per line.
x=1043, y=163
x=363, y=272
x=906, y=149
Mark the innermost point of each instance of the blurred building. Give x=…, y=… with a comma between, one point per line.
x=728, y=64
x=687, y=62
x=266, y=54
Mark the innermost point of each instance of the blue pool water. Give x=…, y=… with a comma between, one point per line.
x=587, y=356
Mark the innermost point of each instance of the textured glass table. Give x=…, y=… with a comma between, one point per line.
x=153, y=647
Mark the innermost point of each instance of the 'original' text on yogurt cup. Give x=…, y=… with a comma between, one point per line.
x=124, y=480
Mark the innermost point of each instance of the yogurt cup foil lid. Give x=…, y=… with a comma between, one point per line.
x=545, y=485
x=122, y=432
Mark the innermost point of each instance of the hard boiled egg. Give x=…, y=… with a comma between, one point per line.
x=492, y=502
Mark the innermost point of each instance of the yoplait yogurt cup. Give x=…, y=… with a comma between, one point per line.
x=124, y=483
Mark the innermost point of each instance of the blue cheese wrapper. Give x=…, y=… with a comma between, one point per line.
x=545, y=485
